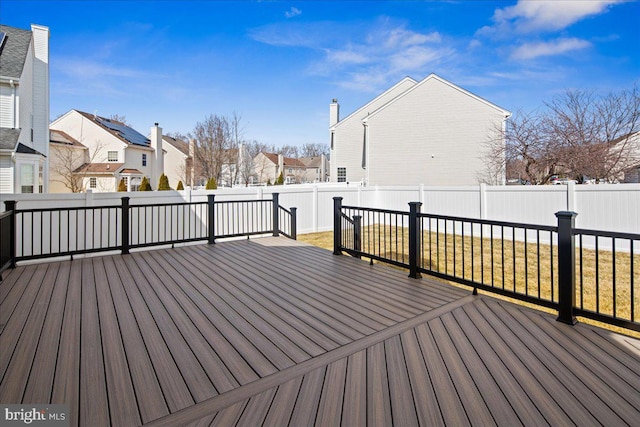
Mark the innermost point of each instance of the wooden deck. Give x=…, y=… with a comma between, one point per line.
x=274, y=332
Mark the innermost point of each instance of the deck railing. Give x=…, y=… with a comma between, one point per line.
x=29, y=234
x=560, y=267
x=6, y=244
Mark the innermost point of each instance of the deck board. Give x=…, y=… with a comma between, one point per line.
x=42, y=372
x=93, y=383
x=274, y=332
x=149, y=397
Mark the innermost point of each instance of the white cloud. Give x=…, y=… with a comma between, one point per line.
x=293, y=12
x=531, y=16
x=556, y=47
x=346, y=57
x=369, y=56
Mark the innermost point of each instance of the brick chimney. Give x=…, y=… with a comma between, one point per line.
x=157, y=167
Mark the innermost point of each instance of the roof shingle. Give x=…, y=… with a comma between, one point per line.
x=14, y=51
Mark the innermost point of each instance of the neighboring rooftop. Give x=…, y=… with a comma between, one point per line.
x=9, y=138
x=287, y=161
x=60, y=137
x=179, y=144
x=126, y=133
x=99, y=168
x=13, y=51
x=312, y=162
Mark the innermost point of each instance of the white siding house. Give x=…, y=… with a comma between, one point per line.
x=115, y=151
x=177, y=161
x=431, y=132
x=24, y=109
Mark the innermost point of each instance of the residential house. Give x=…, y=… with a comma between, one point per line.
x=628, y=154
x=268, y=166
x=236, y=167
x=67, y=155
x=24, y=109
x=115, y=151
x=178, y=161
x=317, y=169
x=430, y=132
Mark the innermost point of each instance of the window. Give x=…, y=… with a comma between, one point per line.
x=112, y=156
x=27, y=178
x=93, y=182
x=342, y=174
x=144, y=159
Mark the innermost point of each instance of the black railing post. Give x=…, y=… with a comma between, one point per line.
x=414, y=239
x=125, y=225
x=10, y=206
x=276, y=215
x=566, y=267
x=357, y=233
x=337, y=225
x=211, y=218
x=294, y=223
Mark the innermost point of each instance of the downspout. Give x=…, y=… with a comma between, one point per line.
x=14, y=103
x=365, y=152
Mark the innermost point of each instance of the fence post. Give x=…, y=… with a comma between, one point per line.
x=211, y=218
x=566, y=267
x=276, y=215
x=357, y=233
x=10, y=205
x=294, y=223
x=125, y=225
x=414, y=239
x=337, y=226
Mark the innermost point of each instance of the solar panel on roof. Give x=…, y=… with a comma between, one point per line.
x=3, y=37
x=125, y=132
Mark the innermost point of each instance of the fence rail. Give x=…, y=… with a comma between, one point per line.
x=560, y=267
x=29, y=234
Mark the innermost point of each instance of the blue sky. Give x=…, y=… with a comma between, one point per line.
x=279, y=64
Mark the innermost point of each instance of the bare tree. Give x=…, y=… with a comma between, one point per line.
x=594, y=134
x=579, y=134
x=65, y=161
x=288, y=151
x=315, y=150
x=250, y=166
x=119, y=118
x=213, y=137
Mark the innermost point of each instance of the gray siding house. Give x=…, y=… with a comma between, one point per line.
x=24, y=109
x=430, y=132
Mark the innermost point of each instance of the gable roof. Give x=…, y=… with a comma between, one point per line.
x=125, y=133
x=178, y=144
x=60, y=137
x=287, y=161
x=14, y=51
x=368, y=106
x=312, y=162
x=446, y=82
x=99, y=168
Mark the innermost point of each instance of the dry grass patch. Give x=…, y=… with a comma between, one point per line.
x=507, y=264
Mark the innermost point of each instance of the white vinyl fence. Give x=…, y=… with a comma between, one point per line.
x=610, y=207
x=613, y=207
